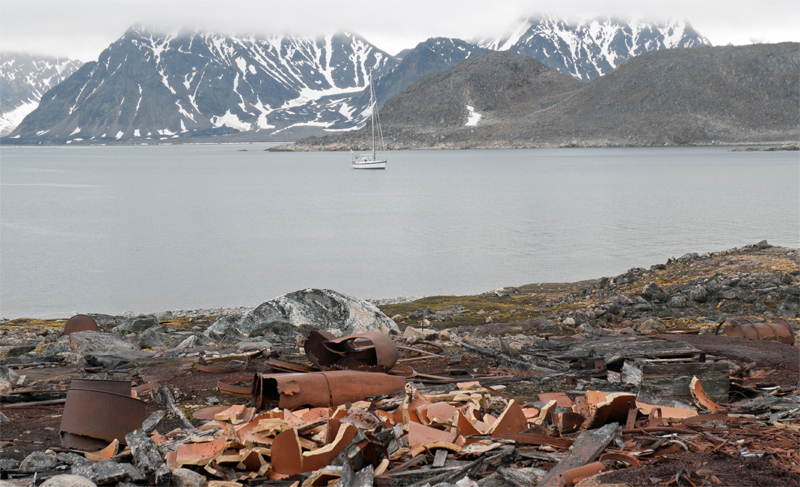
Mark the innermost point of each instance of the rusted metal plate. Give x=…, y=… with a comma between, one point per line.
x=94, y=418
x=80, y=323
x=321, y=389
x=228, y=386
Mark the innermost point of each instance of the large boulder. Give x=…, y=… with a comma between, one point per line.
x=291, y=313
x=137, y=324
x=84, y=342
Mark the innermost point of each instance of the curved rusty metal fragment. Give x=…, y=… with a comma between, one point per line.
x=370, y=351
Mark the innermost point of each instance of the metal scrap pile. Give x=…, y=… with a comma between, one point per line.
x=361, y=415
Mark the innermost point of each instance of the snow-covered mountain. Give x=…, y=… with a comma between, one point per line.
x=151, y=86
x=148, y=86
x=24, y=78
x=589, y=49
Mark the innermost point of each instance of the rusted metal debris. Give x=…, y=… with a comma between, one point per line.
x=778, y=329
x=371, y=351
x=80, y=323
x=325, y=429
x=98, y=412
x=318, y=389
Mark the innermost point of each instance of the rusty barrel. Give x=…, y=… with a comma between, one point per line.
x=97, y=412
x=80, y=323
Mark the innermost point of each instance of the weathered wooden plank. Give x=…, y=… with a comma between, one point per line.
x=586, y=449
x=623, y=347
x=672, y=379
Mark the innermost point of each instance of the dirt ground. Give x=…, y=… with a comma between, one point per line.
x=697, y=469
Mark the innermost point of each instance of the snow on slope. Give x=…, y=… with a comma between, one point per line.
x=24, y=78
x=588, y=49
x=196, y=83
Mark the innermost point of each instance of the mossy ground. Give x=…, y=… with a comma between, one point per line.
x=536, y=300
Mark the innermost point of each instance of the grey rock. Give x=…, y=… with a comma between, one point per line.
x=687, y=257
x=653, y=292
x=252, y=344
x=677, y=301
x=417, y=334
x=147, y=457
x=787, y=310
x=84, y=342
x=183, y=477
x=8, y=464
x=68, y=481
x=109, y=472
x=105, y=320
x=7, y=374
x=115, y=360
x=17, y=350
x=4, y=419
x=286, y=315
x=152, y=338
x=164, y=315
x=38, y=461
x=727, y=294
x=699, y=294
x=191, y=341
x=149, y=424
x=137, y=324
x=652, y=325
x=55, y=348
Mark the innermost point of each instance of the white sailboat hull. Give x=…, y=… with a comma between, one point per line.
x=365, y=164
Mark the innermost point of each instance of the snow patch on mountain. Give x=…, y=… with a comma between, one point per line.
x=588, y=49
x=24, y=78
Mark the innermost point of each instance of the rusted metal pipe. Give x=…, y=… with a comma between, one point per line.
x=322, y=389
x=574, y=475
x=777, y=330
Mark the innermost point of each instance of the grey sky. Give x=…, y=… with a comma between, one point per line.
x=83, y=28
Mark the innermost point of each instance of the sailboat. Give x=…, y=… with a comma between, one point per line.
x=360, y=161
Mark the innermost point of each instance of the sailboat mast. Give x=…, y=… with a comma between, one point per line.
x=372, y=99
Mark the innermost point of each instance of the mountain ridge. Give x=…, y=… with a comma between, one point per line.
x=701, y=96
x=196, y=86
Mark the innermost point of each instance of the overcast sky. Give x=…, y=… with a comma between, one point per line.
x=83, y=28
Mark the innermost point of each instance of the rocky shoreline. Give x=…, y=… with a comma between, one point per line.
x=434, y=143
x=508, y=331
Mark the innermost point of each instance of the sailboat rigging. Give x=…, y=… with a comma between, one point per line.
x=359, y=161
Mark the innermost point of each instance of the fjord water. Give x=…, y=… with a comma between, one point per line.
x=107, y=229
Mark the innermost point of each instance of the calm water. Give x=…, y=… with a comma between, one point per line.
x=107, y=229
